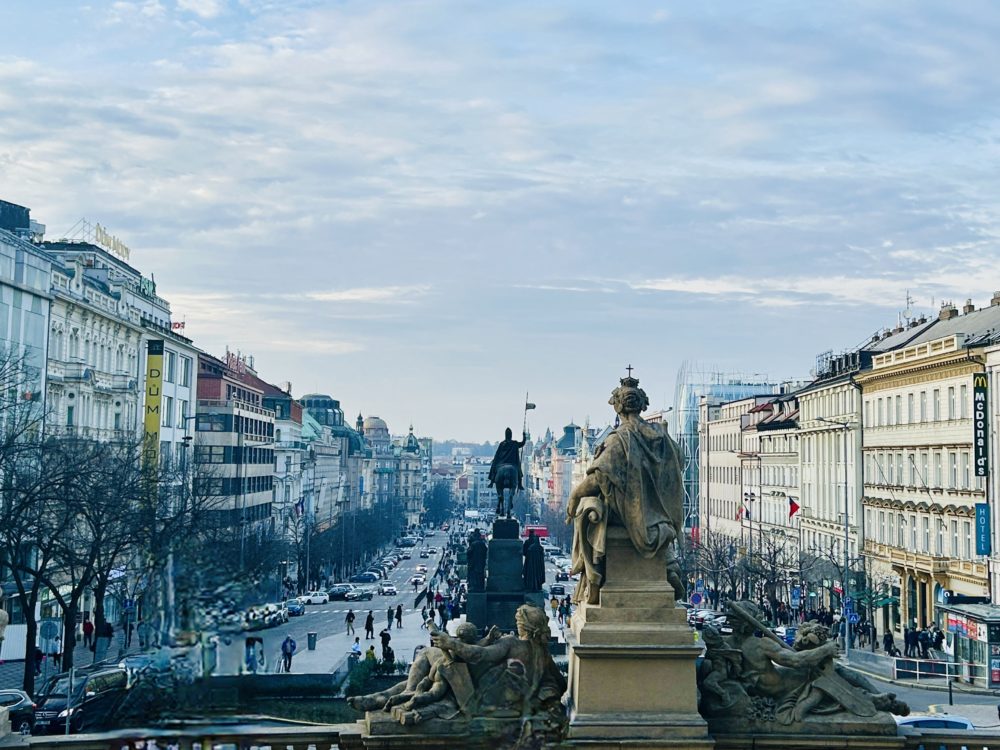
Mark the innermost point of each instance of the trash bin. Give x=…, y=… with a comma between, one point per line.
x=311, y=641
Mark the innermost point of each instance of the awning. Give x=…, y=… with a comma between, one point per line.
x=885, y=601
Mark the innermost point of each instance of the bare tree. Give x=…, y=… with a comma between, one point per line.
x=717, y=560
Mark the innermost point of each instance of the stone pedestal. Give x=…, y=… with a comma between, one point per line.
x=632, y=660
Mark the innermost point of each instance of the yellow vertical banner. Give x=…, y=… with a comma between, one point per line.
x=151, y=410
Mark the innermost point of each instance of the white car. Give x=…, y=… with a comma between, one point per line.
x=314, y=597
x=387, y=589
x=421, y=568
x=418, y=579
x=934, y=721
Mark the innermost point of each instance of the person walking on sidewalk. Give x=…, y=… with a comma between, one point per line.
x=423, y=618
x=399, y=615
x=370, y=626
x=384, y=635
x=389, y=613
x=287, y=652
x=350, y=621
x=88, y=631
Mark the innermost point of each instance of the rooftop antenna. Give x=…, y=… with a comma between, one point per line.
x=908, y=312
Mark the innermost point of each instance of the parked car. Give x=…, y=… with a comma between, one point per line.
x=407, y=555
x=20, y=710
x=387, y=589
x=365, y=577
x=432, y=550
x=295, y=608
x=314, y=597
x=86, y=703
x=934, y=721
x=786, y=633
x=562, y=575
x=361, y=592
x=339, y=591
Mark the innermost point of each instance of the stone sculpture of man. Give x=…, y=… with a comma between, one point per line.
x=533, y=570
x=476, y=559
x=508, y=453
x=635, y=482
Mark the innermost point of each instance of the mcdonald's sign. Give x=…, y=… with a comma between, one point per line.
x=981, y=423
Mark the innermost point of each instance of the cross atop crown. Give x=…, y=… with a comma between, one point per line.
x=628, y=381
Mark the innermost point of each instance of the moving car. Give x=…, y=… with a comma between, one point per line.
x=387, y=589
x=562, y=575
x=557, y=589
x=361, y=592
x=934, y=721
x=339, y=591
x=295, y=608
x=314, y=597
x=424, y=554
x=21, y=710
x=87, y=703
x=418, y=579
x=421, y=568
x=432, y=550
x=365, y=577
x=407, y=554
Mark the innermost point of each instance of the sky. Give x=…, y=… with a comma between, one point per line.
x=428, y=209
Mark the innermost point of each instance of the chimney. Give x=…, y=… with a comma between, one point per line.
x=996, y=299
x=948, y=311
x=968, y=307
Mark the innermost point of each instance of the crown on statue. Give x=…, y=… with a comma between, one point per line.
x=628, y=381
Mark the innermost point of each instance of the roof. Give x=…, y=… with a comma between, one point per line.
x=984, y=612
x=977, y=327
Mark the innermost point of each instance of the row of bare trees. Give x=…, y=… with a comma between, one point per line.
x=79, y=515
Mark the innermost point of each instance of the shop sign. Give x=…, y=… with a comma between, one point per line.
x=995, y=665
x=980, y=424
x=151, y=410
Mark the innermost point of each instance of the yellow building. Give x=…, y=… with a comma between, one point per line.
x=919, y=484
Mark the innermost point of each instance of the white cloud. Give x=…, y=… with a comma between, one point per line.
x=202, y=8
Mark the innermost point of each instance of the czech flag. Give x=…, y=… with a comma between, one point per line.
x=793, y=507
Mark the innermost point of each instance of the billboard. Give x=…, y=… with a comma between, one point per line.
x=151, y=406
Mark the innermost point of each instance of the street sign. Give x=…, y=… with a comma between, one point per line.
x=796, y=597
x=48, y=630
x=983, y=538
x=695, y=599
x=848, y=601
x=699, y=585
x=855, y=618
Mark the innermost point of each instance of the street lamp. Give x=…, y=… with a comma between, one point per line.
x=845, y=426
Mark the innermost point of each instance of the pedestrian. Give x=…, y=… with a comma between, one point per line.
x=287, y=652
x=142, y=630
x=39, y=656
x=370, y=626
x=924, y=642
x=874, y=637
x=443, y=614
x=423, y=618
x=356, y=648
x=350, y=621
x=399, y=615
x=129, y=629
x=384, y=635
x=554, y=604
x=389, y=613
x=370, y=654
x=88, y=631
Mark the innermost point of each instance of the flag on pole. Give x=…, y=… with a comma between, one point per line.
x=528, y=405
x=740, y=511
x=793, y=507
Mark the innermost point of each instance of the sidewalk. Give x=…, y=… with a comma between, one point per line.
x=879, y=666
x=12, y=672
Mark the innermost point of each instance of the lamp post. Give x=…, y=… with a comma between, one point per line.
x=844, y=426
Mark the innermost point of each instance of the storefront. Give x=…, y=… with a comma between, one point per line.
x=972, y=640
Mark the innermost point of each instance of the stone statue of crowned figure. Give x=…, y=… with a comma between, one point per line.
x=633, y=482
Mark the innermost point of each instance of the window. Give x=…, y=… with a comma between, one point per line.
x=183, y=411
x=169, y=364
x=924, y=476
x=211, y=422
x=952, y=411
x=913, y=532
x=118, y=420
x=185, y=371
x=954, y=538
x=925, y=533
x=909, y=408
x=901, y=530
x=967, y=532
x=70, y=413
x=938, y=478
x=952, y=470
x=913, y=471
x=881, y=525
x=899, y=409
x=168, y=411
x=963, y=401
x=209, y=454
x=881, y=413
x=966, y=472
x=936, y=404
x=923, y=406
x=939, y=545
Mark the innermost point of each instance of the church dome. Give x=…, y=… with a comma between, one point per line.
x=375, y=423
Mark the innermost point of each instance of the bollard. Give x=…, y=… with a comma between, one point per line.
x=311, y=641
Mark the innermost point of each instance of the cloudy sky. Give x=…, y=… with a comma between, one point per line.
x=426, y=209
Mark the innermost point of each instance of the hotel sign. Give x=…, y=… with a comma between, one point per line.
x=980, y=423
x=111, y=243
x=984, y=540
x=151, y=410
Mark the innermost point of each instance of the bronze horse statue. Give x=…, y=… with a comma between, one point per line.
x=506, y=479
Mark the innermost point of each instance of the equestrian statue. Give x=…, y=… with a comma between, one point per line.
x=505, y=472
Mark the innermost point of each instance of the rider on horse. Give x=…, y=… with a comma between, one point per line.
x=508, y=455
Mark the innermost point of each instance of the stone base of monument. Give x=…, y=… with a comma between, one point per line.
x=632, y=658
